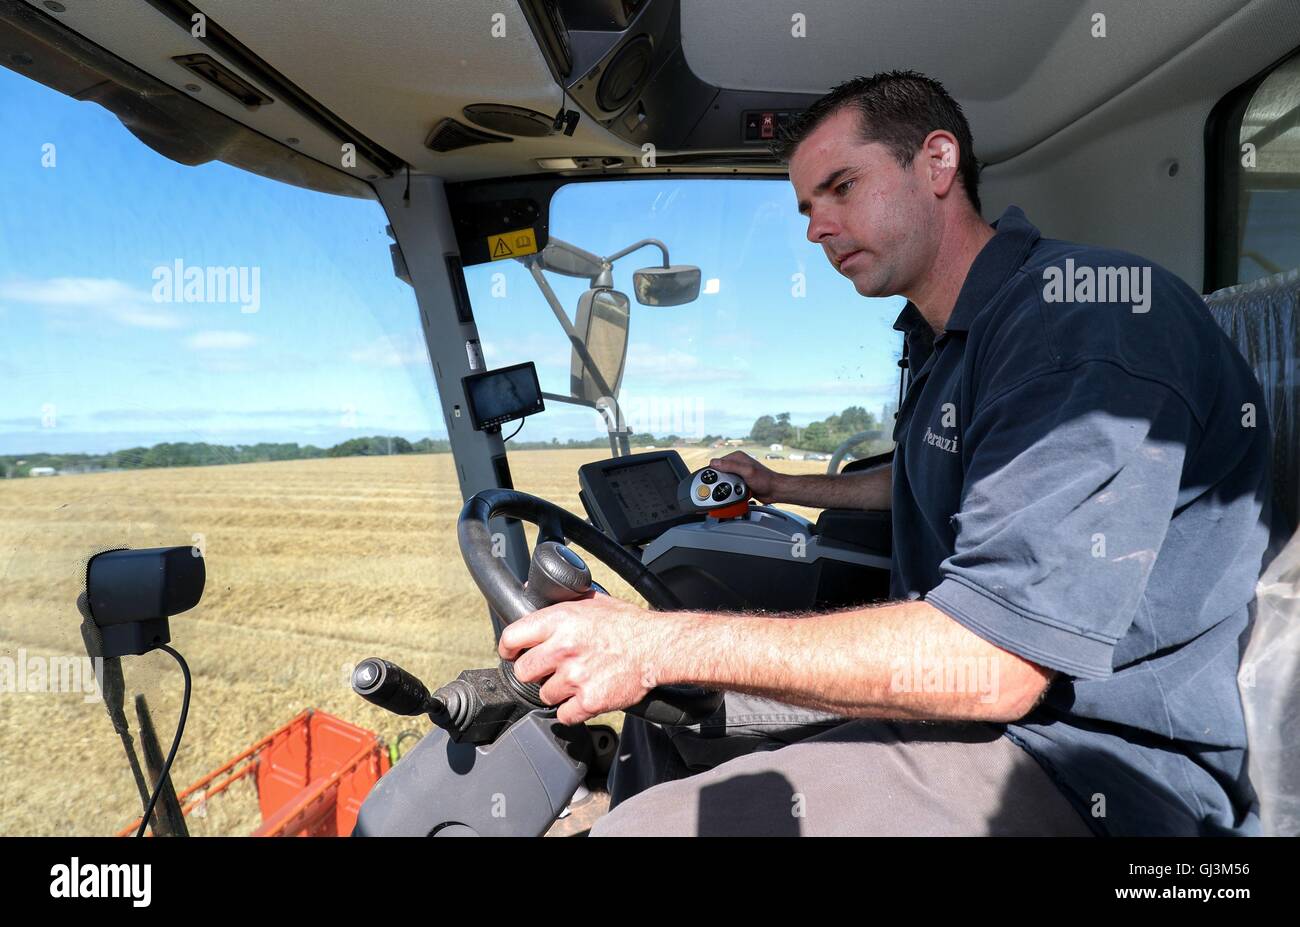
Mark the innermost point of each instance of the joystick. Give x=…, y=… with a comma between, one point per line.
x=714, y=492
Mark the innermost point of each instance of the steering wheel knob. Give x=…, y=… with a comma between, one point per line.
x=556, y=574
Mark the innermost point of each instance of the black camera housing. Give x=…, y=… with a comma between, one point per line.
x=132, y=593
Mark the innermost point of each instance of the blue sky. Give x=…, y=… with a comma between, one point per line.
x=99, y=353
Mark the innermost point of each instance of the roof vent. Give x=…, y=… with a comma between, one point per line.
x=449, y=135
x=512, y=120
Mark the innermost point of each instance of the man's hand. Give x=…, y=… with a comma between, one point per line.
x=600, y=653
x=870, y=489
x=762, y=481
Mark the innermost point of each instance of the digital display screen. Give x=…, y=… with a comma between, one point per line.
x=647, y=492
x=503, y=395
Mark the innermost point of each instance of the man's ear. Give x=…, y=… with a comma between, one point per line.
x=940, y=155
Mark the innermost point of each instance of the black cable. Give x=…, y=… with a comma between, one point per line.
x=904, y=379
x=558, y=123
x=176, y=742
x=516, y=431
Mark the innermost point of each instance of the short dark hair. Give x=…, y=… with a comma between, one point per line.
x=898, y=109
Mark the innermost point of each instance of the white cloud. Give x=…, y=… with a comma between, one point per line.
x=676, y=367
x=546, y=351
x=392, y=351
x=114, y=299
x=857, y=389
x=69, y=291
x=214, y=340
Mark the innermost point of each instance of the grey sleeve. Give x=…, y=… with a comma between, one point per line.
x=1071, y=485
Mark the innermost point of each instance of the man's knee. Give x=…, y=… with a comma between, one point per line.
x=656, y=812
x=863, y=779
x=723, y=802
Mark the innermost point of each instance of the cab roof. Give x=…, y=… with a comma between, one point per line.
x=386, y=73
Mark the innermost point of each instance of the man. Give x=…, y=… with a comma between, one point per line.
x=1077, y=489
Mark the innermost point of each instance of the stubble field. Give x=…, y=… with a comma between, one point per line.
x=311, y=566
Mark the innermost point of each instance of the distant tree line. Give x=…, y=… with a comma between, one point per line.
x=202, y=454
x=638, y=439
x=824, y=436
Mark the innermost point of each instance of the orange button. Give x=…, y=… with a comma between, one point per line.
x=702, y=492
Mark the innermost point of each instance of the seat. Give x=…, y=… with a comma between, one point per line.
x=1261, y=319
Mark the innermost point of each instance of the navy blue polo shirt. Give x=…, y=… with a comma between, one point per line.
x=1081, y=478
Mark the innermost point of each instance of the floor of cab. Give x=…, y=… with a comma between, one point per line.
x=581, y=815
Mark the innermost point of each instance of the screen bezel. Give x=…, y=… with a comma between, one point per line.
x=469, y=380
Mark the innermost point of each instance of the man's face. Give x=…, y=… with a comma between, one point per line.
x=873, y=218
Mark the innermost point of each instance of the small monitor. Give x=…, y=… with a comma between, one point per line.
x=503, y=395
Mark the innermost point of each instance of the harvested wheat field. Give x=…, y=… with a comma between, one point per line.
x=311, y=566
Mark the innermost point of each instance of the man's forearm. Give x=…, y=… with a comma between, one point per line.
x=906, y=660
x=869, y=490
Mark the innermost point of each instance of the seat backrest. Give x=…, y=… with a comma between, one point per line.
x=1261, y=319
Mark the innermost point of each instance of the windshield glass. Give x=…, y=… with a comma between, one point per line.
x=199, y=356
x=778, y=356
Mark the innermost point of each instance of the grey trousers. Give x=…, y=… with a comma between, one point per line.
x=775, y=770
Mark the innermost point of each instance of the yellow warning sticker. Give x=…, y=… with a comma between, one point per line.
x=512, y=244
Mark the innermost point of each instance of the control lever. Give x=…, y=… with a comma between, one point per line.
x=474, y=707
x=478, y=705
x=391, y=687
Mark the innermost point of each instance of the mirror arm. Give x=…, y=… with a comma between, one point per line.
x=615, y=426
x=640, y=244
x=618, y=436
x=572, y=250
x=619, y=444
x=572, y=400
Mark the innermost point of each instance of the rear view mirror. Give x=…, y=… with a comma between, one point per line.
x=602, y=324
x=667, y=286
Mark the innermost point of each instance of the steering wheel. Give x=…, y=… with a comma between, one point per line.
x=506, y=595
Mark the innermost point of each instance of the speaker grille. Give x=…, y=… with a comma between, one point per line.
x=449, y=135
x=624, y=75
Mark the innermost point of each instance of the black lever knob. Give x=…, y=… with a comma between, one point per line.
x=390, y=687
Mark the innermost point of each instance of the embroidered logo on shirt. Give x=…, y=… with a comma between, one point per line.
x=942, y=443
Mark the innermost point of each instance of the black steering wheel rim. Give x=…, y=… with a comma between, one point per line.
x=504, y=592
x=502, y=588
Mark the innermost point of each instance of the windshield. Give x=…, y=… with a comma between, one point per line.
x=199, y=356
x=777, y=356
